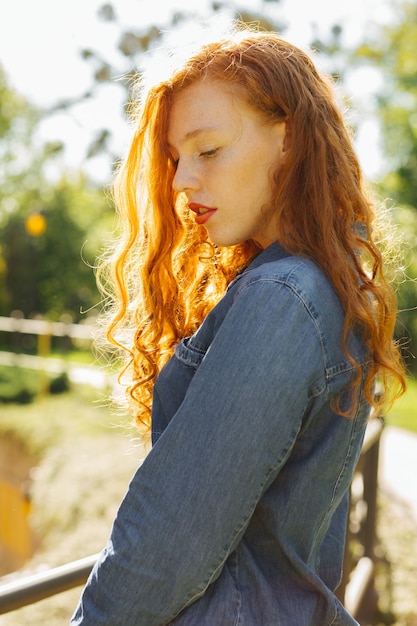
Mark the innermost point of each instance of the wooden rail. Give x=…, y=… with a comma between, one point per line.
x=46, y=328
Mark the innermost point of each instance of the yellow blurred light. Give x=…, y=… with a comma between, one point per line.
x=35, y=224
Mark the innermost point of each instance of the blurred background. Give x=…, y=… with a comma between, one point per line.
x=65, y=73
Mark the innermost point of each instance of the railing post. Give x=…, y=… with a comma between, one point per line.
x=370, y=493
x=347, y=560
x=359, y=590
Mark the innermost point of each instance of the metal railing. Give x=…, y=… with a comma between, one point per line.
x=358, y=575
x=23, y=591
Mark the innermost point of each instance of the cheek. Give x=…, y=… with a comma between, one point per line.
x=247, y=176
x=255, y=181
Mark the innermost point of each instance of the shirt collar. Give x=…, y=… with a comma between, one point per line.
x=274, y=252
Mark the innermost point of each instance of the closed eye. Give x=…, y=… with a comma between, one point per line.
x=209, y=153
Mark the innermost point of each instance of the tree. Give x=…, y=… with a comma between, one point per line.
x=22, y=157
x=47, y=253
x=407, y=286
x=17, y=121
x=45, y=226
x=392, y=50
x=125, y=59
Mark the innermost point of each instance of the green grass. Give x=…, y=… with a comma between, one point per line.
x=50, y=420
x=75, y=356
x=404, y=412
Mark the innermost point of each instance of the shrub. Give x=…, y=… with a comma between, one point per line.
x=21, y=386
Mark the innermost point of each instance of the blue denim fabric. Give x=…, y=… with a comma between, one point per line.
x=238, y=514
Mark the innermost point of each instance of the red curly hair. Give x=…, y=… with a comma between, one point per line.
x=165, y=275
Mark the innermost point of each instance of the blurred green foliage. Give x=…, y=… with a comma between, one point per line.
x=51, y=232
x=50, y=273
x=22, y=386
x=392, y=50
x=404, y=412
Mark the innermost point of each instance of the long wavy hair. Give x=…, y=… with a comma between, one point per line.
x=164, y=275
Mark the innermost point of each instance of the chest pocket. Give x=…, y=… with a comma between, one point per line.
x=189, y=353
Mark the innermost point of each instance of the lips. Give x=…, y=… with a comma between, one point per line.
x=202, y=212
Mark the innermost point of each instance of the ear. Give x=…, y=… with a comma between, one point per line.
x=282, y=136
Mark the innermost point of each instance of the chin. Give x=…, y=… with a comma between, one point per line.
x=223, y=241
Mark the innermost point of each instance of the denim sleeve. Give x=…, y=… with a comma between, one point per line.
x=190, y=502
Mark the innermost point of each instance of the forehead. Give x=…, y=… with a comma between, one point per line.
x=204, y=105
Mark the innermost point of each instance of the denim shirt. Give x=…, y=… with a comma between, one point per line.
x=238, y=514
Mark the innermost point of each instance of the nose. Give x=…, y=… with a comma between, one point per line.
x=186, y=177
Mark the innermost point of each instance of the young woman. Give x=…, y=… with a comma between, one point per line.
x=249, y=272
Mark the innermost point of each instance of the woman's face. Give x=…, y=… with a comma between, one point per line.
x=225, y=155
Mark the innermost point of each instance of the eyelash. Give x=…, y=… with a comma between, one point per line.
x=209, y=153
